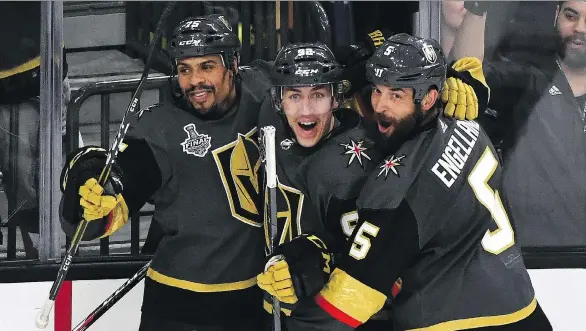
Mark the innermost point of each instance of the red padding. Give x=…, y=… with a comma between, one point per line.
x=63, y=307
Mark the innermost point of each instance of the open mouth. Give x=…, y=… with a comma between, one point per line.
x=384, y=124
x=307, y=126
x=199, y=96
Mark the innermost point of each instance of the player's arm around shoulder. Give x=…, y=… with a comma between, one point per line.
x=385, y=242
x=256, y=78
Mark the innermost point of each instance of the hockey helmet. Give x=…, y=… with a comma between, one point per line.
x=404, y=61
x=305, y=64
x=205, y=35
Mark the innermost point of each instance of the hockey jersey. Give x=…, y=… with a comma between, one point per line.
x=296, y=214
x=431, y=214
x=203, y=178
x=327, y=177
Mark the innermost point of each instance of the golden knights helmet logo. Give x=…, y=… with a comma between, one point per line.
x=429, y=53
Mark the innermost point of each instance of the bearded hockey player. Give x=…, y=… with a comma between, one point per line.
x=198, y=159
x=328, y=153
x=430, y=214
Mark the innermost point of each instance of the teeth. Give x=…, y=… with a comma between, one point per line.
x=307, y=123
x=200, y=94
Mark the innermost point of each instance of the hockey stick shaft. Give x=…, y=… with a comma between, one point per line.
x=112, y=299
x=42, y=319
x=271, y=175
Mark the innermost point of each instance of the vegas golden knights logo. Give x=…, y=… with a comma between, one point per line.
x=289, y=209
x=239, y=164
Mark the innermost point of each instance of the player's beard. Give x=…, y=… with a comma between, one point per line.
x=402, y=129
x=218, y=109
x=574, y=58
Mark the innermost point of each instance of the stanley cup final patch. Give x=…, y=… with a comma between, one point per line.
x=196, y=144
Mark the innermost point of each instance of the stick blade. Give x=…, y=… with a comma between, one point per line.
x=42, y=319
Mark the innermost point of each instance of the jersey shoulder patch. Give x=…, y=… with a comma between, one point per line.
x=148, y=109
x=149, y=122
x=388, y=184
x=350, y=156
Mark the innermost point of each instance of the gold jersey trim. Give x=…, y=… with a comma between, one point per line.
x=484, y=321
x=21, y=68
x=353, y=298
x=198, y=287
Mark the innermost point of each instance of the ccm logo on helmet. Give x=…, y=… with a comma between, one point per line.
x=306, y=72
x=191, y=42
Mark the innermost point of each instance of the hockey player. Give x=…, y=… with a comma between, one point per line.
x=430, y=214
x=198, y=159
x=307, y=90
x=326, y=153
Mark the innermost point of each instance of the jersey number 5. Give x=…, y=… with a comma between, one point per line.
x=361, y=243
x=502, y=238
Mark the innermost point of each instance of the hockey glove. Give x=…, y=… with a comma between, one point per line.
x=84, y=197
x=465, y=92
x=299, y=268
x=354, y=57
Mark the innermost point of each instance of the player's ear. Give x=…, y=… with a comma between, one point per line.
x=335, y=103
x=235, y=64
x=429, y=99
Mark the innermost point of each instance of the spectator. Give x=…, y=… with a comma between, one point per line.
x=543, y=108
x=19, y=105
x=453, y=12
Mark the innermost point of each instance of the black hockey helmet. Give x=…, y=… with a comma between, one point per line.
x=205, y=35
x=404, y=61
x=305, y=64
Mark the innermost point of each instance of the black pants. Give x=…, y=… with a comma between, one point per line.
x=537, y=321
x=158, y=323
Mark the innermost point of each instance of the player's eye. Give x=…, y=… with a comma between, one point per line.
x=295, y=97
x=571, y=16
x=396, y=95
x=318, y=95
x=207, y=67
x=183, y=70
x=376, y=90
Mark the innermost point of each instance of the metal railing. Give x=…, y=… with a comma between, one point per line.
x=105, y=90
x=263, y=26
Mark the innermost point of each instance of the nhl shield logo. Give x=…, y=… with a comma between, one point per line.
x=195, y=144
x=429, y=53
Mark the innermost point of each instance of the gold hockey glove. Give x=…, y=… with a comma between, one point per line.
x=465, y=92
x=276, y=280
x=84, y=197
x=97, y=205
x=299, y=268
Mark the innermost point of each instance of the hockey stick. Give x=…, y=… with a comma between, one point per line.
x=112, y=299
x=268, y=136
x=42, y=319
